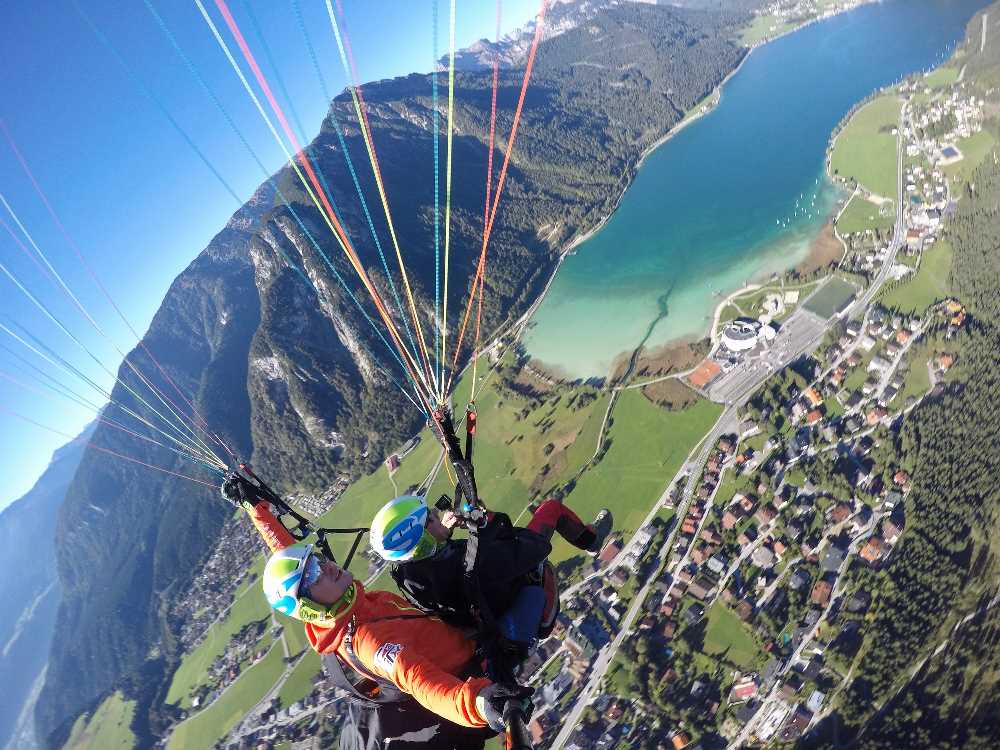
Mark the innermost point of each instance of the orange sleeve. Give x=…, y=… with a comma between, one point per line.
x=433, y=688
x=275, y=535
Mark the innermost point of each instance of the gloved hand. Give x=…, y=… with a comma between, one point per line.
x=494, y=699
x=503, y=657
x=236, y=491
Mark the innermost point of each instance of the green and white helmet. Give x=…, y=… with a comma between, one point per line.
x=399, y=530
x=283, y=575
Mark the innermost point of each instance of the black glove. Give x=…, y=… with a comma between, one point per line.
x=503, y=657
x=237, y=491
x=494, y=700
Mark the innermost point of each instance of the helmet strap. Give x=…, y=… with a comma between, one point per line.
x=326, y=614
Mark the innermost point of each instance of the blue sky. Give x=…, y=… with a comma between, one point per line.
x=131, y=192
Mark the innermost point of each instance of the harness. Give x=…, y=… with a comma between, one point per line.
x=372, y=689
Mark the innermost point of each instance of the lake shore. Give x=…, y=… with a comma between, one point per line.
x=705, y=107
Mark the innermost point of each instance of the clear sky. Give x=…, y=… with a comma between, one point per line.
x=134, y=196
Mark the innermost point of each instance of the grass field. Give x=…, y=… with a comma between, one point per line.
x=944, y=76
x=193, y=670
x=861, y=214
x=205, y=728
x=107, y=729
x=929, y=284
x=833, y=297
x=763, y=27
x=865, y=150
x=974, y=149
x=918, y=380
x=648, y=446
x=300, y=682
x=726, y=634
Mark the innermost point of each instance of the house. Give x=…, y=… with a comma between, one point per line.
x=854, y=400
x=874, y=549
x=892, y=499
x=766, y=514
x=711, y=536
x=744, y=689
x=813, y=397
x=875, y=415
x=620, y=576
x=841, y=512
x=700, y=553
x=680, y=740
x=859, y=602
x=796, y=724
x=717, y=563
x=891, y=529
x=943, y=362
x=392, y=463
x=799, y=579
x=668, y=606
x=744, y=610
x=854, y=328
x=901, y=479
x=610, y=550
x=815, y=701
x=833, y=558
x=701, y=588
x=749, y=534
x=821, y=593
x=763, y=557
x=902, y=336
x=879, y=364
x=746, y=502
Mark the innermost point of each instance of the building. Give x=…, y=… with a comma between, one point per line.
x=611, y=550
x=821, y=593
x=833, y=558
x=874, y=549
x=799, y=579
x=701, y=588
x=763, y=557
x=741, y=335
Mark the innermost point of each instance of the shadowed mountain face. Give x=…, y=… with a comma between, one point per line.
x=289, y=373
x=29, y=587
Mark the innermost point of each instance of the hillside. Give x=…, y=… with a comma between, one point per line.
x=26, y=629
x=287, y=376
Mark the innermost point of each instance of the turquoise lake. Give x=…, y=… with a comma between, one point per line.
x=738, y=194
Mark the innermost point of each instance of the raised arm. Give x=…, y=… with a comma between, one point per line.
x=274, y=533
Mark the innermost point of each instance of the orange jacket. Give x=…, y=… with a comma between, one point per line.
x=421, y=656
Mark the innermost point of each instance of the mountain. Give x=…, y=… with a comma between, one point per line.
x=289, y=373
x=30, y=587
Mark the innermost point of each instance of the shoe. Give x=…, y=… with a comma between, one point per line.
x=602, y=527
